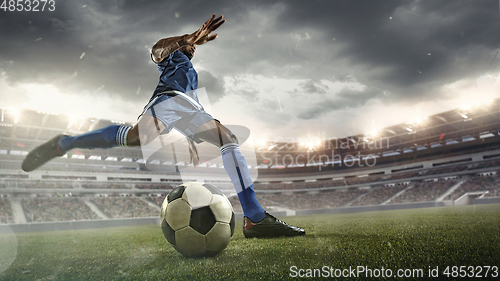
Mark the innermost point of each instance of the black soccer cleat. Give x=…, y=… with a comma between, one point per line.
x=42, y=154
x=270, y=227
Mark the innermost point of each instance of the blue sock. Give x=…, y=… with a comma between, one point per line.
x=236, y=167
x=108, y=137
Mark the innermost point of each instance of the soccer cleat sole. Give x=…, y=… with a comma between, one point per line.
x=271, y=227
x=42, y=154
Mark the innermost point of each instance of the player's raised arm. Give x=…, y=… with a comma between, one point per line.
x=164, y=47
x=202, y=35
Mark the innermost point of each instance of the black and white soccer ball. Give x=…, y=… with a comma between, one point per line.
x=197, y=219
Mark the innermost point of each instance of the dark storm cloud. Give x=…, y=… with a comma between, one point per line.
x=309, y=87
x=75, y=47
x=214, y=86
x=345, y=99
x=85, y=45
x=425, y=44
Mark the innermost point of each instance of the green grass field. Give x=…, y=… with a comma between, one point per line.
x=404, y=239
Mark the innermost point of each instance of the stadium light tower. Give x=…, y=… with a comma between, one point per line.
x=373, y=133
x=311, y=144
x=15, y=114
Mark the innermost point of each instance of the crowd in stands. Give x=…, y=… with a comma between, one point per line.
x=444, y=170
x=352, y=181
x=486, y=164
x=125, y=207
x=223, y=185
x=424, y=192
x=13, y=176
x=490, y=183
x=157, y=199
x=83, y=168
x=235, y=202
x=154, y=186
x=43, y=184
x=68, y=178
x=377, y=196
x=42, y=209
x=399, y=176
x=317, y=200
x=297, y=185
x=330, y=183
x=5, y=211
x=105, y=186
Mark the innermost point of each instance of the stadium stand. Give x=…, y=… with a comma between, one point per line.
x=298, y=185
x=235, y=202
x=424, y=192
x=462, y=153
x=154, y=186
x=403, y=176
x=41, y=209
x=5, y=211
x=105, y=186
x=158, y=200
x=378, y=195
x=124, y=207
x=489, y=183
x=486, y=164
x=43, y=184
x=316, y=200
x=452, y=169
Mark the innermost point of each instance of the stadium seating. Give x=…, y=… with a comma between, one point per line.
x=486, y=164
x=424, y=192
x=5, y=211
x=235, y=202
x=398, y=176
x=154, y=186
x=378, y=195
x=301, y=201
x=124, y=207
x=490, y=183
x=158, y=200
x=105, y=186
x=444, y=170
x=43, y=184
x=43, y=209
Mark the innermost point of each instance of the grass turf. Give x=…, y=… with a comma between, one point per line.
x=403, y=239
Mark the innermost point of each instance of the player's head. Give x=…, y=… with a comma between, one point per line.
x=188, y=50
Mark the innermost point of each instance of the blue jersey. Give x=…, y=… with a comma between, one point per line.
x=176, y=73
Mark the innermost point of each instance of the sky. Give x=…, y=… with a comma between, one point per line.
x=284, y=69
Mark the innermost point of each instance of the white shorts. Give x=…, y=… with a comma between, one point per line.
x=181, y=111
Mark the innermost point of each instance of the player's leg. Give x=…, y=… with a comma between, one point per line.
x=107, y=137
x=146, y=130
x=234, y=164
x=257, y=222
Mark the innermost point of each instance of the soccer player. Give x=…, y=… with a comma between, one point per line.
x=174, y=105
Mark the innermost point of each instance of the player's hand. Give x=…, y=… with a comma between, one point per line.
x=194, y=158
x=202, y=35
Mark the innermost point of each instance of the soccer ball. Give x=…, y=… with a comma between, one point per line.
x=197, y=219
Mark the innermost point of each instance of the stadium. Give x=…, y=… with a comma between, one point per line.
x=373, y=126
x=431, y=168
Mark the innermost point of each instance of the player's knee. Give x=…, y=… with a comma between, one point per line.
x=232, y=138
x=229, y=137
x=133, y=138
x=136, y=139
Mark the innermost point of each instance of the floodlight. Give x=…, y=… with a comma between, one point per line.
x=15, y=114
